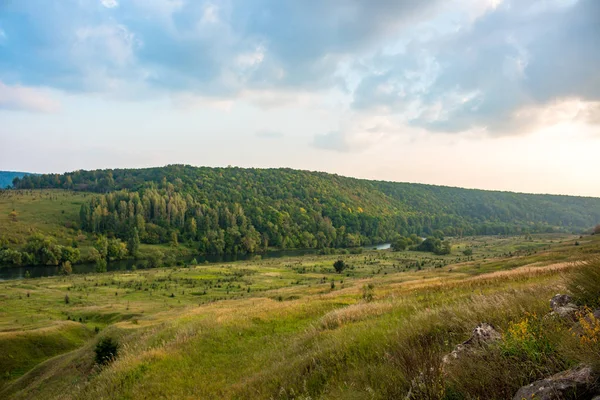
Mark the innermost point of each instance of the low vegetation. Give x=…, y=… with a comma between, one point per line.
x=278, y=328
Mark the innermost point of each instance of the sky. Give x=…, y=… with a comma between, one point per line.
x=491, y=94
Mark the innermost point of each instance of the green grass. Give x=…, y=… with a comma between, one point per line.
x=55, y=213
x=275, y=328
x=50, y=212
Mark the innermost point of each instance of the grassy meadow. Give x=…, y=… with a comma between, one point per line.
x=293, y=328
x=54, y=213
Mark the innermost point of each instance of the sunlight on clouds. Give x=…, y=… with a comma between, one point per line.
x=27, y=99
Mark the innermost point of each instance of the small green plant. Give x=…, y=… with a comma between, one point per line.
x=468, y=252
x=368, y=292
x=66, y=268
x=101, y=265
x=67, y=300
x=106, y=350
x=527, y=339
x=584, y=283
x=339, y=266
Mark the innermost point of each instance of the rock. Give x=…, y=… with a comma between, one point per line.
x=563, y=306
x=576, y=383
x=560, y=300
x=483, y=334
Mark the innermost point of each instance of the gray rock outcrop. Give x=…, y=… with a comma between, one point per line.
x=576, y=383
x=483, y=334
x=562, y=305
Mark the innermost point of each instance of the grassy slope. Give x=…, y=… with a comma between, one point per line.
x=291, y=335
x=51, y=212
x=54, y=213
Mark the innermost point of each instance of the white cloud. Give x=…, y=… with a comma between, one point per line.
x=210, y=14
x=109, y=3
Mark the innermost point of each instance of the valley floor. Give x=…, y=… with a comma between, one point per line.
x=293, y=328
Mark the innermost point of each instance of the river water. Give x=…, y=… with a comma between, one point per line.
x=11, y=273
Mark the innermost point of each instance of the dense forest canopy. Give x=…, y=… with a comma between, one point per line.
x=247, y=210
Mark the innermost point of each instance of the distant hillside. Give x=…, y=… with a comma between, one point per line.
x=237, y=209
x=6, y=177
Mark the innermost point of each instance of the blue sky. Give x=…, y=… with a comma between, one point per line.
x=498, y=94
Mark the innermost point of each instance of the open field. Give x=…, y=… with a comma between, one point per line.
x=287, y=328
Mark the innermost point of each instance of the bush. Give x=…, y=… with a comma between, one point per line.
x=368, y=292
x=584, y=283
x=66, y=268
x=339, y=266
x=399, y=244
x=468, y=252
x=101, y=265
x=106, y=350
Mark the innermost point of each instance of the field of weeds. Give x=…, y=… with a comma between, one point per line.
x=293, y=328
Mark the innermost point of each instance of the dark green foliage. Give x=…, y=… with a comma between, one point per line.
x=39, y=250
x=399, y=244
x=101, y=265
x=434, y=245
x=468, y=252
x=339, y=266
x=133, y=244
x=234, y=210
x=584, y=283
x=106, y=350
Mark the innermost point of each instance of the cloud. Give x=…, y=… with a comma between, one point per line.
x=210, y=48
x=358, y=133
x=518, y=56
x=26, y=99
x=444, y=66
x=109, y=3
x=334, y=140
x=269, y=134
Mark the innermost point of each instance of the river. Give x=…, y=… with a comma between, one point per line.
x=11, y=273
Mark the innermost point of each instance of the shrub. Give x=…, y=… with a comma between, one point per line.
x=66, y=268
x=106, y=350
x=527, y=339
x=368, y=292
x=101, y=265
x=339, y=266
x=468, y=252
x=584, y=283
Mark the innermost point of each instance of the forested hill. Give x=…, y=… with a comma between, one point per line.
x=6, y=177
x=237, y=209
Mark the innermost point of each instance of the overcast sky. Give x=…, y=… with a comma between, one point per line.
x=489, y=94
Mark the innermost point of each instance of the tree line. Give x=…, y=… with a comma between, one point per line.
x=232, y=210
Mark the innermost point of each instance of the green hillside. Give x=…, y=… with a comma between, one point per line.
x=289, y=208
x=230, y=210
